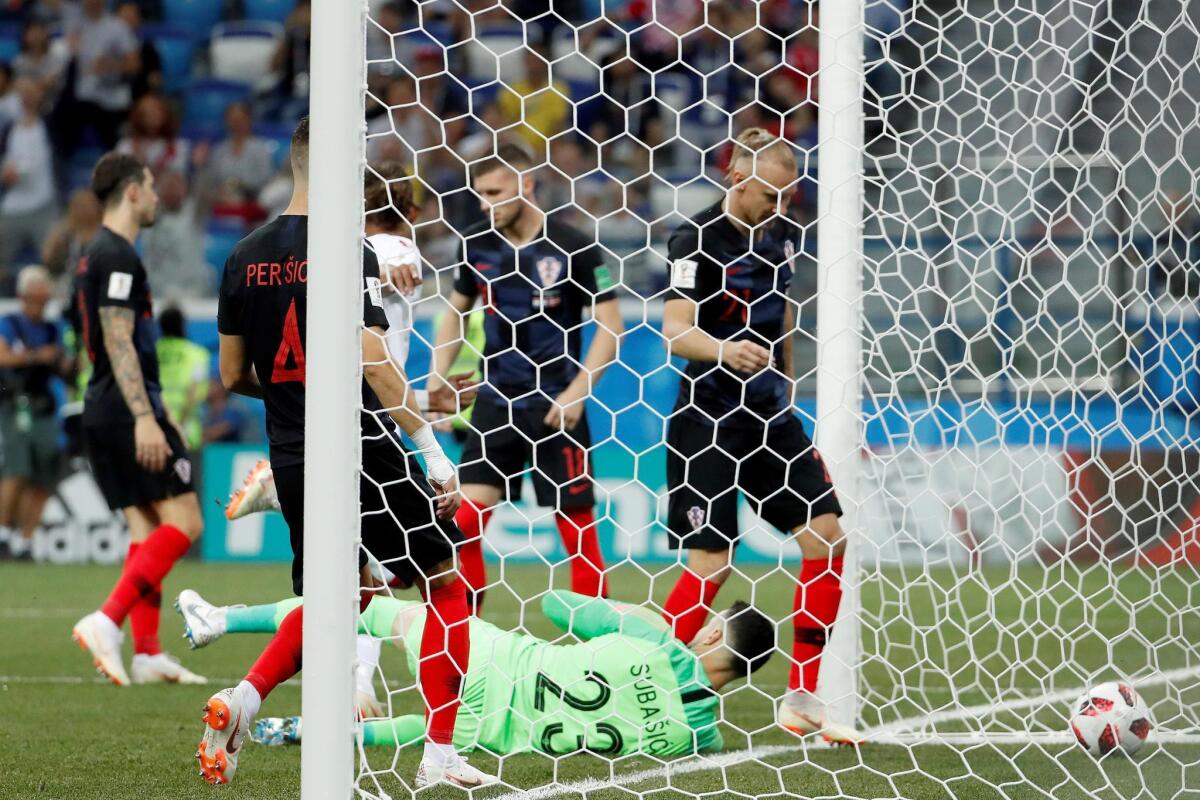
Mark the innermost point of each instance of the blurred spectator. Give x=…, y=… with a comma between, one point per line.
x=173, y=247
x=30, y=358
x=27, y=199
x=37, y=61
x=403, y=128
x=225, y=418
x=153, y=136
x=183, y=369
x=71, y=236
x=539, y=103
x=106, y=59
x=291, y=61
x=10, y=103
x=149, y=77
x=234, y=171
x=64, y=14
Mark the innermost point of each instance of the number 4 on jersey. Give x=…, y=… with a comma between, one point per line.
x=289, y=348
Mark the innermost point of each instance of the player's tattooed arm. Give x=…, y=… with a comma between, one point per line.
x=150, y=443
x=788, y=367
x=117, y=325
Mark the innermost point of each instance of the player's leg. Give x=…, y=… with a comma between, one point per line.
x=493, y=452
x=562, y=479
x=791, y=486
x=394, y=732
x=394, y=489
x=229, y=714
x=701, y=518
x=164, y=518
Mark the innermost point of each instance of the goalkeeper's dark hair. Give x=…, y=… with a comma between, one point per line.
x=749, y=636
x=508, y=156
x=388, y=195
x=114, y=173
x=300, y=147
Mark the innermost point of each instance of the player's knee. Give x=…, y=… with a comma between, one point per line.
x=712, y=565
x=183, y=512
x=822, y=537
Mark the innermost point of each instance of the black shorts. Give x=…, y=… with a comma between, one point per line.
x=776, y=468
x=122, y=480
x=399, y=527
x=507, y=440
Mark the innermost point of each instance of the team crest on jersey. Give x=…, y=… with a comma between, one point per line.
x=696, y=517
x=183, y=468
x=789, y=255
x=548, y=269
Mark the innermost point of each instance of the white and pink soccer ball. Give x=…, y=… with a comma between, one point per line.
x=1110, y=716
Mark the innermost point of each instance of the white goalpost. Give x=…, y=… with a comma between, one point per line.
x=998, y=315
x=333, y=398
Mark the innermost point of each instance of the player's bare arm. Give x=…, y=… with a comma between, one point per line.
x=568, y=407
x=688, y=341
x=237, y=371
x=387, y=379
x=449, y=338
x=117, y=323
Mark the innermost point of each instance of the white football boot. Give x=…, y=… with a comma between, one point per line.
x=802, y=714
x=162, y=668
x=257, y=493
x=203, y=623
x=100, y=636
x=227, y=720
x=455, y=773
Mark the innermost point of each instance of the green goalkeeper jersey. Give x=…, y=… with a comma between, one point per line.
x=629, y=687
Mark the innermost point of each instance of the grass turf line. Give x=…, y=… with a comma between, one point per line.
x=89, y=740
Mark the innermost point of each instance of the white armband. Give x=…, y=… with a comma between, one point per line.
x=438, y=467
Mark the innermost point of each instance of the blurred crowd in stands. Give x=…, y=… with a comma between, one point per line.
x=631, y=109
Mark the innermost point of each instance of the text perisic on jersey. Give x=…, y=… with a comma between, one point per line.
x=275, y=274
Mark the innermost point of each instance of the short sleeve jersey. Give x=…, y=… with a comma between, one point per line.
x=533, y=299
x=263, y=299
x=741, y=291
x=111, y=274
x=22, y=334
x=393, y=251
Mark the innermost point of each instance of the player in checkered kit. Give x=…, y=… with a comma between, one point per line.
x=734, y=428
x=535, y=276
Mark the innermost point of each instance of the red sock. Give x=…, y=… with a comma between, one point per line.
x=282, y=657
x=445, y=652
x=145, y=571
x=143, y=617
x=689, y=603
x=818, y=596
x=471, y=521
x=577, y=526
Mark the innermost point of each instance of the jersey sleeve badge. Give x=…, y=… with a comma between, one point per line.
x=683, y=273
x=374, y=291
x=120, y=286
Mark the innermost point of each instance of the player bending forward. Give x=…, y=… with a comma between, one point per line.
x=262, y=322
x=734, y=429
x=535, y=276
x=137, y=454
x=630, y=687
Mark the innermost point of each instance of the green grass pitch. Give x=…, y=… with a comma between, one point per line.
x=65, y=735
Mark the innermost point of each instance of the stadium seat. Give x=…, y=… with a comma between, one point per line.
x=176, y=47
x=280, y=135
x=197, y=15
x=268, y=10
x=219, y=240
x=204, y=109
x=241, y=50
x=10, y=43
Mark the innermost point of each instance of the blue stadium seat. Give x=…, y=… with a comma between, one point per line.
x=204, y=109
x=280, y=135
x=272, y=10
x=175, y=46
x=199, y=15
x=219, y=241
x=10, y=43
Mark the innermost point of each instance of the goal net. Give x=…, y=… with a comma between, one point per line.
x=995, y=333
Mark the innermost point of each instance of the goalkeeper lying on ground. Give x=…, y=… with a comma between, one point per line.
x=629, y=687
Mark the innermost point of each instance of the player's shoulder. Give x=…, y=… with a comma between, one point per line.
x=688, y=236
x=389, y=246
x=477, y=230
x=269, y=236
x=109, y=250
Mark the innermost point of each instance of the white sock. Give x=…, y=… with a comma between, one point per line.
x=18, y=545
x=368, y=648
x=6, y=533
x=440, y=754
x=250, y=698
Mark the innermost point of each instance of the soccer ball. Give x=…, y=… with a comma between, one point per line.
x=1109, y=716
